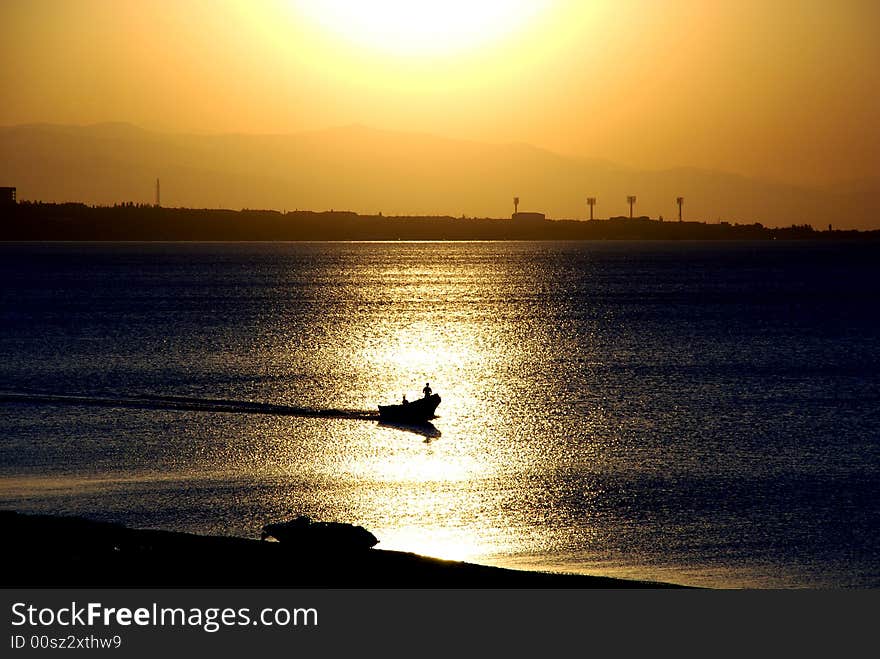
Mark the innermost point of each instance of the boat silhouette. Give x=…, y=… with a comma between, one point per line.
x=419, y=411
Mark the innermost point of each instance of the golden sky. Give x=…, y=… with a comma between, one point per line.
x=783, y=89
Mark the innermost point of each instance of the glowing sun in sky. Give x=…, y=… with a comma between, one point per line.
x=421, y=27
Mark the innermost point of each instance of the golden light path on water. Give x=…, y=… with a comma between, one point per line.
x=431, y=484
x=415, y=318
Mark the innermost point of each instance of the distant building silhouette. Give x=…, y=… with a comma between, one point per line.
x=7, y=196
x=528, y=217
x=524, y=216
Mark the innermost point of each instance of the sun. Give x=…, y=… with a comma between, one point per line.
x=421, y=27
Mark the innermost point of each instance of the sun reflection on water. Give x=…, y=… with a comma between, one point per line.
x=426, y=468
x=450, y=543
x=422, y=348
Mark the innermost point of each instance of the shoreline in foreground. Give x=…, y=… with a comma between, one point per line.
x=73, y=552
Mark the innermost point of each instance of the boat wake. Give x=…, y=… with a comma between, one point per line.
x=188, y=404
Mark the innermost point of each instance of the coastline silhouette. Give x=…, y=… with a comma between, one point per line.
x=141, y=222
x=62, y=551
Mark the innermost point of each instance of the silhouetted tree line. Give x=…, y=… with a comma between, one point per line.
x=130, y=221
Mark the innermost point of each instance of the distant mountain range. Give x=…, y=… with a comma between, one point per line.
x=371, y=171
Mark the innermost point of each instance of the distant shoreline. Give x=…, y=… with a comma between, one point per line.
x=71, y=552
x=129, y=222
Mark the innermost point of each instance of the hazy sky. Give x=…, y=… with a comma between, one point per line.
x=786, y=89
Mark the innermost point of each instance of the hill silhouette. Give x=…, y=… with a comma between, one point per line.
x=374, y=171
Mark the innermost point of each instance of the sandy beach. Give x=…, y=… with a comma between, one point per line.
x=52, y=551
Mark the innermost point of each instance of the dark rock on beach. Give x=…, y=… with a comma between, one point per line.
x=333, y=537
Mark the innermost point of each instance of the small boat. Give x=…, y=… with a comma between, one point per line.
x=417, y=411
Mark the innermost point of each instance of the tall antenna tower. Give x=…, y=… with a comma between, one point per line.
x=158, y=199
x=591, y=201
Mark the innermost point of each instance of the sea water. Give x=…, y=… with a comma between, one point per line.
x=694, y=412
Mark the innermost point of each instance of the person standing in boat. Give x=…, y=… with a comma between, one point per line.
x=427, y=389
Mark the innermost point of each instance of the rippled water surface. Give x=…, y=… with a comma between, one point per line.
x=691, y=412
